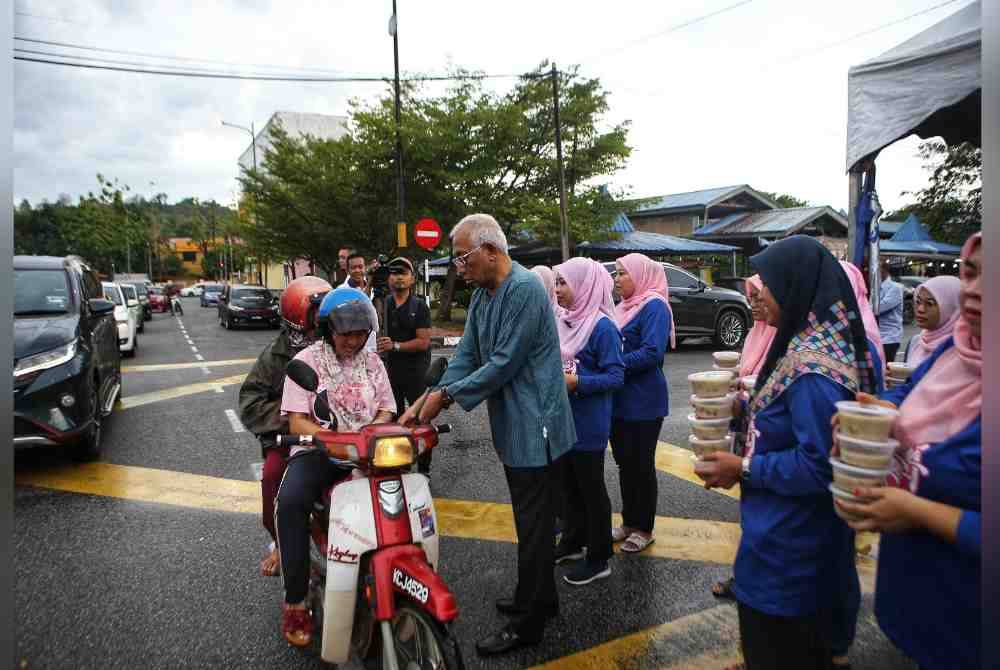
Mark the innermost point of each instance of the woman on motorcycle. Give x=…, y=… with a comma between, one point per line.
x=353, y=391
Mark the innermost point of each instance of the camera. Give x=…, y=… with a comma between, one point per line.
x=380, y=276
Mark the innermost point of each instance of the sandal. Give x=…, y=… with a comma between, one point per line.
x=297, y=626
x=270, y=566
x=724, y=589
x=619, y=533
x=636, y=543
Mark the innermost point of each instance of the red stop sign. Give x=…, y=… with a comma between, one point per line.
x=427, y=233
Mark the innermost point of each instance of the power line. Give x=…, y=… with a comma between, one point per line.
x=208, y=74
x=672, y=29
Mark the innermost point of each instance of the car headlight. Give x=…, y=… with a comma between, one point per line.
x=236, y=308
x=393, y=452
x=45, y=360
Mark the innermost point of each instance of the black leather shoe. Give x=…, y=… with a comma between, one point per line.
x=503, y=641
x=508, y=607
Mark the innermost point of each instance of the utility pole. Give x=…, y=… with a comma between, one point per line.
x=563, y=223
x=400, y=193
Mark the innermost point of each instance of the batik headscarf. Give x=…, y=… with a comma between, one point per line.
x=821, y=330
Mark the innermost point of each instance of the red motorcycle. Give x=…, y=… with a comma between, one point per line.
x=374, y=590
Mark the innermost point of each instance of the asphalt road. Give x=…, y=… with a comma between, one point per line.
x=149, y=558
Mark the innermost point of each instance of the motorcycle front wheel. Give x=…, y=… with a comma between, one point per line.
x=421, y=643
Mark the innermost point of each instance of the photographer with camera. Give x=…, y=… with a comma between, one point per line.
x=406, y=340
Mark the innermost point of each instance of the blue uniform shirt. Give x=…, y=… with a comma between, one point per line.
x=644, y=395
x=600, y=371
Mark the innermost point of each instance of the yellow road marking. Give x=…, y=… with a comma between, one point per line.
x=178, y=392
x=666, y=646
x=677, y=539
x=678, y=462
x=184, y=366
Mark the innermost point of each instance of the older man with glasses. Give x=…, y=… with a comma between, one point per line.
x=509, y=357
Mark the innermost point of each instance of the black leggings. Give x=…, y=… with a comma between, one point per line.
x=633, y=444
x=784, y=643
x=308, y=473
x=587, y=504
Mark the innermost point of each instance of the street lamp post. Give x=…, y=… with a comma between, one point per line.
x=253, y=150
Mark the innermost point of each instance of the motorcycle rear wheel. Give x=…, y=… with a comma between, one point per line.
x=421, y=643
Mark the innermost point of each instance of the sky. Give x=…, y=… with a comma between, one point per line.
x=755, y=94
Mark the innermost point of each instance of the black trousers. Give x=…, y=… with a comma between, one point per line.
x=588, y=508
x=890, y=352
x=407, y=385
x=306, y=476
x=633, y=444
x=534, y=514
x=779, y=643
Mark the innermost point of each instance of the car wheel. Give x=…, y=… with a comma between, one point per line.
x=89, y=446
x=730, y=330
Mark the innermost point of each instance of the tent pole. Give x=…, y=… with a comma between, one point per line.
x=853, y=200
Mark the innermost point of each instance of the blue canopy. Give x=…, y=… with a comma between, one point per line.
x=913, y=239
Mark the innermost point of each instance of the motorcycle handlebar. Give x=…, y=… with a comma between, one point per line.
x=294, y=440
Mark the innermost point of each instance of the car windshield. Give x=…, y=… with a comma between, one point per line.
x=154, y=290
x=40, y=292
x=213, y=289
x=112, y=293
x=129, y=292
x=255, y=295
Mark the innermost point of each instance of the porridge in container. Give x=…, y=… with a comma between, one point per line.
x=709, y=429
x=847, y=497
x=850, y=477
x=866, y=454
x=900, y=371
x=727, y=360
x=713, y=408
x=868, y=422
x=711, y=384
x=702, y=447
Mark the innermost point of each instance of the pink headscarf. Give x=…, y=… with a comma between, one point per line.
x=758, y=340
x=591, y=286
x=945, y=290
x=650, y=281
x=549, y=282
x=864, y=304
x=950, y=396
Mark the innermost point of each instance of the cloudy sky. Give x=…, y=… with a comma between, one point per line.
x=756, y=94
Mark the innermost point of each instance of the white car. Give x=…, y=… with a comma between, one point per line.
x=192, y=291
x=126, y=317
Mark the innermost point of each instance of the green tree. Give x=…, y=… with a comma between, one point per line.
x=784, y=201
x=951, y=205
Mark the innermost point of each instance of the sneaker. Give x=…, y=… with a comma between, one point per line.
x=587, y=572
x=565, y=553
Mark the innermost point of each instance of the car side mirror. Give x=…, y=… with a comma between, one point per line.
x=702, y=286
x=100, y=306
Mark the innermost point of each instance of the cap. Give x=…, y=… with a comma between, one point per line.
x=398, y=263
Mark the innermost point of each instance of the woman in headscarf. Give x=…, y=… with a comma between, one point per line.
x=647, y=324
x=795, y=553
x=927, y=594
x=857, y=280
x=591, y=347
x=755, y=348
x=936, y=310
x=549, y=282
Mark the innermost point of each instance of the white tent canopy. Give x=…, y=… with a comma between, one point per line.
x=929, y=85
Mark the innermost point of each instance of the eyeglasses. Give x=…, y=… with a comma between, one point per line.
x=461, y=261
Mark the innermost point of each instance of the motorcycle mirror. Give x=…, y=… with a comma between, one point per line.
x=436, y=371
x=302, y=374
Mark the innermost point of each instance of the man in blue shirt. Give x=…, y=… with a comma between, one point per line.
x=509, y=357
x=890, y=314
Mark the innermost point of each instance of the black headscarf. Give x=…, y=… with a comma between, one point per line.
x=805, y=279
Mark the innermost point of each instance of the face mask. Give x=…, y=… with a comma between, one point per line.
x=298, y=340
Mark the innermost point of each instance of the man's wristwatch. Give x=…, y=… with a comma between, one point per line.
x=448, y=400
x=745, y=470
x=395, y=346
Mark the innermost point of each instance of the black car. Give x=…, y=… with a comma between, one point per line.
x=241, y=305
x=67, y=367
x=701, y=310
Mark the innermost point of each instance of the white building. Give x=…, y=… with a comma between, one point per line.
x=296, y=124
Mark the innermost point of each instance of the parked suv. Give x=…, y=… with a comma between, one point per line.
x=67, y=367
x=701, y=310
x=247, y=305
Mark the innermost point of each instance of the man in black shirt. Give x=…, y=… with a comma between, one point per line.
x=408, y=324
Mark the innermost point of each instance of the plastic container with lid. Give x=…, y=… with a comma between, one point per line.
x=850, y=477
x=848, y=497
x=866, y=454
x=702, y=447
x=865, y=421
x=726, y=360
x=709, y=429
x=711, y=383
x=713, y=408
x=900, y=371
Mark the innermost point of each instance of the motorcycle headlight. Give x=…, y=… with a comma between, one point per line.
x=45, y=360
x=393, y=452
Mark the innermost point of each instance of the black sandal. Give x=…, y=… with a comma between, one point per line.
x=724, y=589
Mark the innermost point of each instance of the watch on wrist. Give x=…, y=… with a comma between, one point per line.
x=395, y=346
x=448, y=400
x=745, y=470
